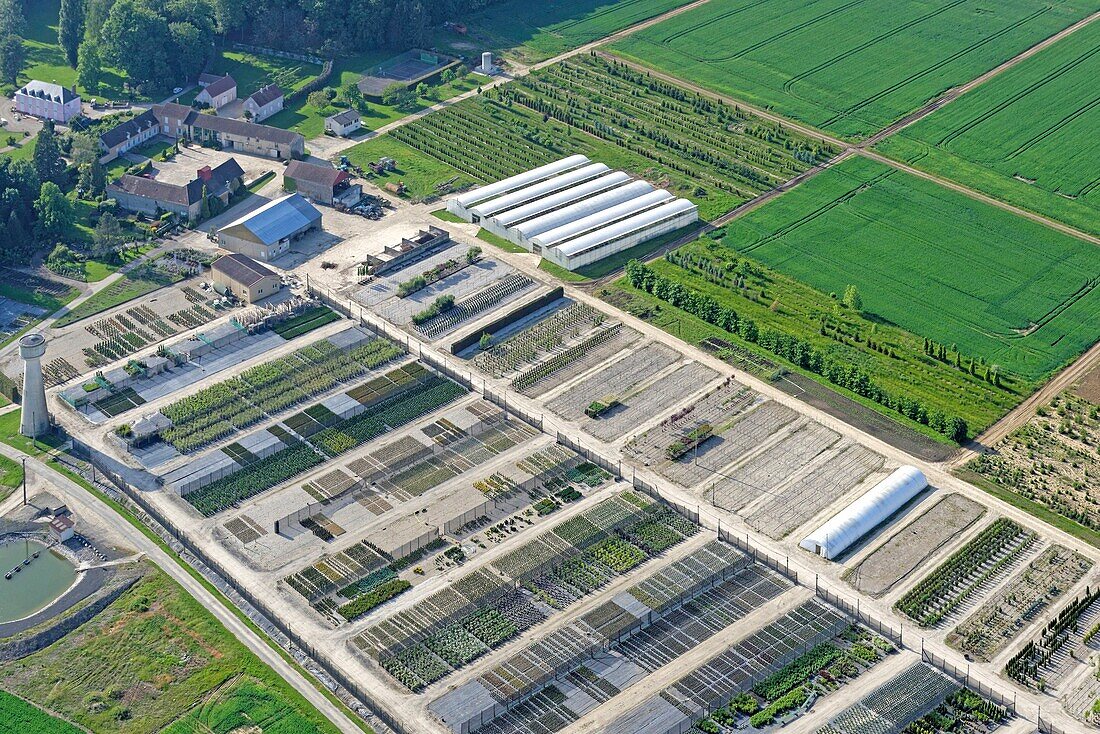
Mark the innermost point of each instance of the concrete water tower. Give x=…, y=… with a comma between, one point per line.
x=36, y=419
x=486, y=67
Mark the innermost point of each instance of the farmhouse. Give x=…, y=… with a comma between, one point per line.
x=48, y=101
x=343, y=123
x=317, y=183
x=264, y=102
x=243, y=277
x=152, y=197
x=267, y=232
x=216, y=93
x=128, y=135
x=574, y=212
x=179, y=121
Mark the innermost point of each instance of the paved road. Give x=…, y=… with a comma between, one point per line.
x=87, y=504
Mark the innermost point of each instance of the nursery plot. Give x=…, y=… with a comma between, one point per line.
x=984, y=557
x=613, y=380
x=500, y=291
x=650, y=401
x=763, y=473
x=717, y=408
x=716, y=155
x=714, y=683
x=996, y=623
x=1003, y=289
x=1027, y=136
x=909, y=547
x=559, y=368
x=795, y=504
x=749, y=431
x=839, y=65
x=896, y=703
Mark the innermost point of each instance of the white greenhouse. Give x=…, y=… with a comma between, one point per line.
x=866, y=513
x=574, y=212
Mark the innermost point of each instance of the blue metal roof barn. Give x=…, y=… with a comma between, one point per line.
x=265, y=233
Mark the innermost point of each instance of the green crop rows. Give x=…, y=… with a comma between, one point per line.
x=949, y=585
x=935, y=262
x=839, y=65
x=717, y=155
x=19, y=717
x=306, y=322
x=261, y=475
x=1027, y=137
x=268, y=388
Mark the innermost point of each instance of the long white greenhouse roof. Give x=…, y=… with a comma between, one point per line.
x=562, y=198
x=603, y=218
x=866, y=513
x=539, y=190
x=592, y=240
x=547, y=222
x=526, y=178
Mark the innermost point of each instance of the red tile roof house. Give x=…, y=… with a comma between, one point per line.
x=217, y=92
x=152, y=197
x=264, y=102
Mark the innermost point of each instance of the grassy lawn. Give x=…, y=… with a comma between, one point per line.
x=23, y=151
x=155, y=658
x=934, y=262
x=46, y=61
x=11, y=476
x=48, y=302
x=446, y=216
x=487, y=236
x=9, y=434
x=419, y=173
x=1021, y=137
x=535, y=31
x=840, y=66
x=133, y=285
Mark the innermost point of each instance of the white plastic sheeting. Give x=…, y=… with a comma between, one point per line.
x=538, y=190
x=866, y=513
x=547, y=222
x=680, y=210
x=512, y=183
x=563, y=198
x=602, y=218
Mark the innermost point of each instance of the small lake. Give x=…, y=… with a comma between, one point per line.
x=36, y=585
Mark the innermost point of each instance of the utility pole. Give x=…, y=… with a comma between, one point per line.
x=24, y=481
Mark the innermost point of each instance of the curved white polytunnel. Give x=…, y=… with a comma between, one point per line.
x=866, y=513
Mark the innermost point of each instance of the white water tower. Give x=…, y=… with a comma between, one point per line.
x=35, y=420
x=486, y=67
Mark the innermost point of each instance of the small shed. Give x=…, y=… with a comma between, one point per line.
x=245, y=278
x=62, y=527
x=343, y=123
x=318, y=183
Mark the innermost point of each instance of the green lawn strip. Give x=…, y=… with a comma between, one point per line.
x=1018, y=294
x=11, y=475
x=613, y=262
x=447, y=216
x=260, y=182
x=694, y=330
x=497, y=241
x=1034, y=508
x=561, y=273
x=9, y=434
x=838, y=66
x=23, y=151
x=420, y=173
x=43, y=300
x=20, y=717
x=132, y=285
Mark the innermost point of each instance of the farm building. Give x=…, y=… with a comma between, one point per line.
x=574, y=212
x=62, y=527
x=128, y=135
x=216, y=93
x=317, y=183
x=179, y=121
x=865, y=514
x=343, y=123
x=47, y=100
x=411, y=250
x=266, y=233
x=152, y=197
x=264, y=102
x=245, y=278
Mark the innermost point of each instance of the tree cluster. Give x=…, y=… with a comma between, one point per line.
x=791, y=348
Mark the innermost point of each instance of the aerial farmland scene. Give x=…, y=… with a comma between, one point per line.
x=579, y=366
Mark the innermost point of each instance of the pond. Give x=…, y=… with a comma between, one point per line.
x=36, y=584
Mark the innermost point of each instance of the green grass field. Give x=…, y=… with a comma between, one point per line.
x=155, y=659
x=1028, y=136
x=847, y=66
x=934, y=262
x=11, y=476
x=536, y=31
x=19, y=717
